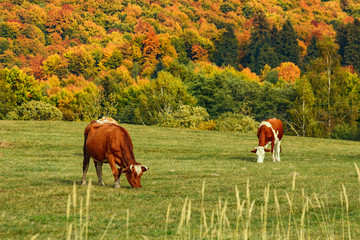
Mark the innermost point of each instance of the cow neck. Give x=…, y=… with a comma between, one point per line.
x=129, y=157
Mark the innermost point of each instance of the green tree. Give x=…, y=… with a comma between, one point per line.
x=109, y=89
x=7, y=96
x=128, y=101
x=332, y=86
x=273, y=102
x=312, y=52
x=80, y=62
x=261, y=50
x=162, y=96
x=349, y=42
x=303, y=115
x=179, y=45
x=4, y=45
x=114, y=60
x=227, y=49
x=287, y=47
x=54, y=65
x=24, y=87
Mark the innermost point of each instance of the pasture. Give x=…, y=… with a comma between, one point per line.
x=199, y=183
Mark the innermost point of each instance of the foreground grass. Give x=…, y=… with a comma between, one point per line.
x=199, y=184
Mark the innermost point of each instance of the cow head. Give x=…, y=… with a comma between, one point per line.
x=134, y=173
x=260, y=152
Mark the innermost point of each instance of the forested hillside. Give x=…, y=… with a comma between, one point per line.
x=184, y=63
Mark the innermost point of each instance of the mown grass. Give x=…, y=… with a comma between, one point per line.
x=195, y=178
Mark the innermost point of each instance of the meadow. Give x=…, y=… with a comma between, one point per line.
x=200, y=185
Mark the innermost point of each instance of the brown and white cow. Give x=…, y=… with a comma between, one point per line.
x=270, y=131
x=111, y=143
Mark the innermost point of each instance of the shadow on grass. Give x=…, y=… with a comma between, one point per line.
x=69, y=182
x=63, y=181
x=243, y=158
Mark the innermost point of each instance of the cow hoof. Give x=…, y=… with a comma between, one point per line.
x=116, y=186
x=102, y=184
x=83, y=183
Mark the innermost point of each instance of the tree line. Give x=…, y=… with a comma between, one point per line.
x=217, y=74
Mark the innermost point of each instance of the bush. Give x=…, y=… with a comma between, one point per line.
x=161, y=96
x=207, y=125
x=35, y=110
x=236, y=122
x=346, y=132
x=186, y=117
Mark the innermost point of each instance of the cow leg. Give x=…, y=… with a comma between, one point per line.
x=114, y=171
x=85, y=167
x=98, y=167
x=272, y=150
x=278, y=150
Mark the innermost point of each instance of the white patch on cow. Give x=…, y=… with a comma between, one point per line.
x=106, y=120
x=266, y=123
x=261, y=154
x=138, y=169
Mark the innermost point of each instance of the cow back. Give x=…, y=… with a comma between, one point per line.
x=277, y=126
x=103, y=139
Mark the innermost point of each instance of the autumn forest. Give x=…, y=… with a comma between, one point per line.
x=210, y=65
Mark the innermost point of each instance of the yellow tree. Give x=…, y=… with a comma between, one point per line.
x=288, y=72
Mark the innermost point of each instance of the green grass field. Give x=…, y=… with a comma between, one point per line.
x=189, y=190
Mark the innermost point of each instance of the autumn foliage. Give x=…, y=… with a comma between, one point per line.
x=94, y=58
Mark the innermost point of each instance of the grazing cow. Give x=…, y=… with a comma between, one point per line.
x=269, y=131
x=111, y=143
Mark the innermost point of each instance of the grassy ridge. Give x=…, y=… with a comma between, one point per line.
x=40, y=161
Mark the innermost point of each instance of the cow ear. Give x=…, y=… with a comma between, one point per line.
x=144, y=168
x=126, y=170
x=254, y=150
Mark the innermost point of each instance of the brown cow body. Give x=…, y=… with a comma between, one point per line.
x=270, y=131
x=111, y=143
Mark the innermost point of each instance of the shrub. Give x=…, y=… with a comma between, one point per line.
x=185, y=116
x=161, y=97
x=346, y=132
x=236, y=122
x=207, y=125
x=35, y=110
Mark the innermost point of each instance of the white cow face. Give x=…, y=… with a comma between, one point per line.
x=261, y=154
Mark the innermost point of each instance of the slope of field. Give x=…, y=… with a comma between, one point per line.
x=41, y=161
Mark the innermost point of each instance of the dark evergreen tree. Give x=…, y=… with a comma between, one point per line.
x=275, y=37
x=227, y=49
x=287, y=47
x=312, y=52
x=260, y=51
x=348, y=38
x=351, y=50
x=341, y=39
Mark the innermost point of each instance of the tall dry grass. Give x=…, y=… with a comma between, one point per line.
x=217, y=224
